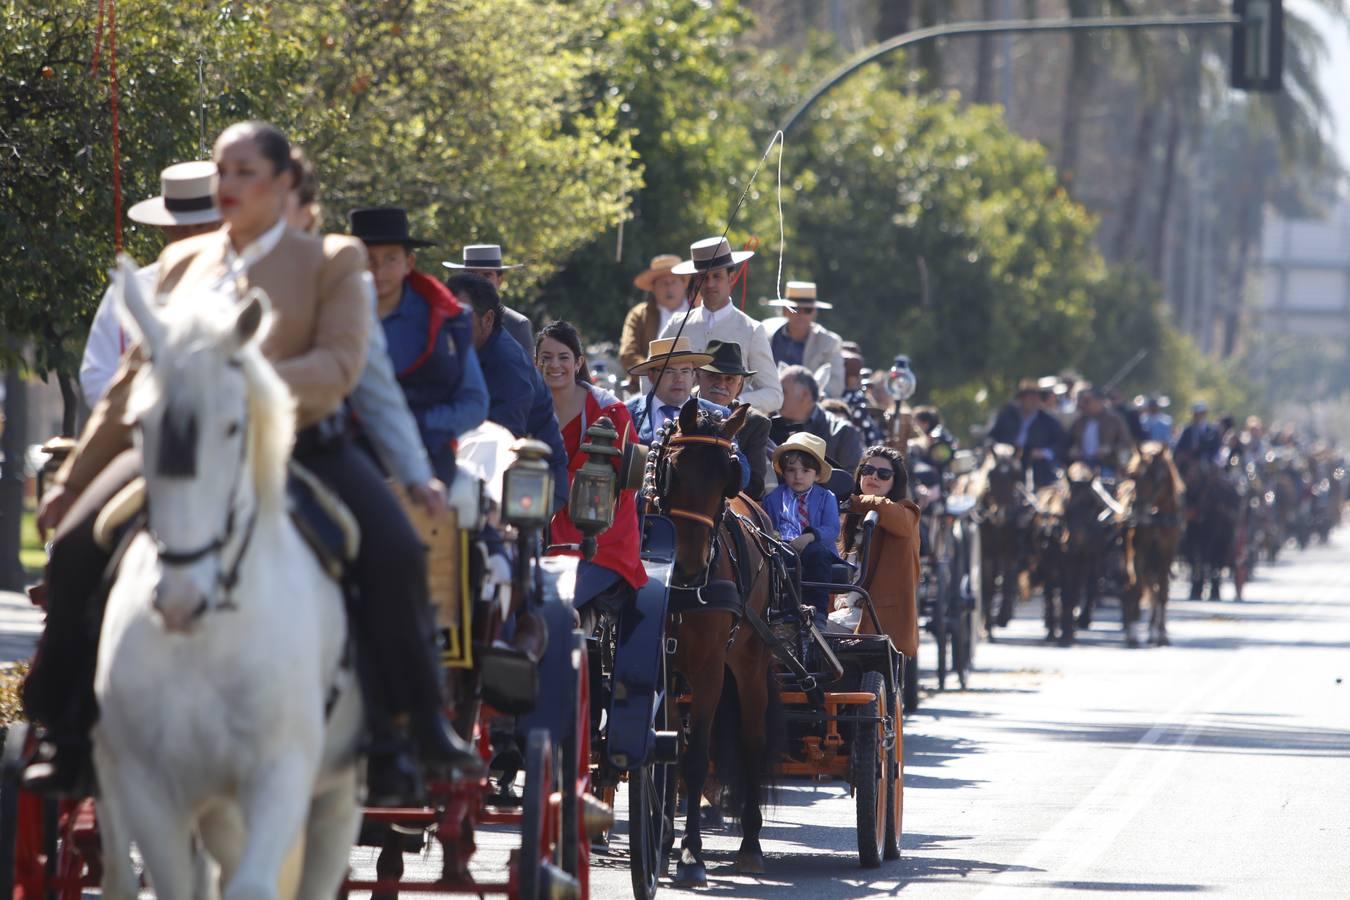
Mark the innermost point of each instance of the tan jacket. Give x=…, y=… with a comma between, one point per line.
x=1114, y=443
x=893, y=579
x=317, y=343
x=641, y=326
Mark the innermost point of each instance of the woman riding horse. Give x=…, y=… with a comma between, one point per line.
x=321, y=300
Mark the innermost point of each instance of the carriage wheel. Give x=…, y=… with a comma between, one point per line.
x=895, y=787
x=575, y=774
x=869, y=772
x=651, y=822
x=910, y=684
x=11, y=769
x=941, y=609
x=963, y=639
x=537, y=832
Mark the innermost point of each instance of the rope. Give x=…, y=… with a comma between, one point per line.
x=107, y=13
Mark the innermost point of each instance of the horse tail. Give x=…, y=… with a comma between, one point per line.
x=744, y=770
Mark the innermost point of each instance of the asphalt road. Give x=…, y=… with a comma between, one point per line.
x=1219, y=765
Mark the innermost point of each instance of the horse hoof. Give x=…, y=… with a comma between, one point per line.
x=693, y=874
x=1162, y=641
x=749, y=864
x=1132, y=642
x=1066, y=640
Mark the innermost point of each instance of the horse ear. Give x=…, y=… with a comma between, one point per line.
x=689, y=416
x=253, y=318
x=134, y=309
x=732, y=426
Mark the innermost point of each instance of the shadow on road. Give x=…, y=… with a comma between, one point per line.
x=1127, y=887
x=1304, y=741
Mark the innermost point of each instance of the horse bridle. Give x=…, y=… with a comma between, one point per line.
x=712, y=523
x=227, y=576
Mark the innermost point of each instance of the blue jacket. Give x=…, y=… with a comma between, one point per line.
x=822, y=509
x=520, y=402
x=439, y=373
x=644, y=422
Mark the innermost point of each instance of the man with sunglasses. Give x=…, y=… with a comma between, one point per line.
x=797, y=339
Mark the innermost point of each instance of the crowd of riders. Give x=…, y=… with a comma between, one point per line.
x=394, y=353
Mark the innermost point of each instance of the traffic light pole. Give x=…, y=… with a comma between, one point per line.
x=1006, y=26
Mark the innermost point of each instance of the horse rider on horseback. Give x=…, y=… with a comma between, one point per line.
x=321, y=296
x=1026, y=425
x=1099, y=436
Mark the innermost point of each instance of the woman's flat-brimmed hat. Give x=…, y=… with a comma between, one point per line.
x=667, y=352
x=186, y=197
x=727, y=359
x=799, y=295
x=711, y=253
x=804, y=442
x=482, y=256
x=384, y=225
x=661, y=265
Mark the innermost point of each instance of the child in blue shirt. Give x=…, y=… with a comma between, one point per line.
x=806, y=513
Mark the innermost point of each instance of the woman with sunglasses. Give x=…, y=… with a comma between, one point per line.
x=892, y=575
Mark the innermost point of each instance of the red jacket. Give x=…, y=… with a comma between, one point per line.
x=620, y=546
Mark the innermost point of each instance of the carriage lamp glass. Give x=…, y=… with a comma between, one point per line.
x=527, y=485
x=595, y=485
x=900, y=381
x=941, y=453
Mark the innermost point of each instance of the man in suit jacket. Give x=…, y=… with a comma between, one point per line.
x=714, y=266
x=721, y=381
x=802, y=412
x=672, y=363
x=797, y=339
x=1200, y=439
x=1099, y=436
x=1026, y=425
x=486, y=260
x=644, y=322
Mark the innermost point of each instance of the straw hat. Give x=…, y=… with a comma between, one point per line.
x=711, y=253
x=799, y=295
x=667, y=351
x=186, y=197
x=804, y=442
x=661, y=265
x=482, y=256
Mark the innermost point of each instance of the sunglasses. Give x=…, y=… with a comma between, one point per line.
x=878, y=474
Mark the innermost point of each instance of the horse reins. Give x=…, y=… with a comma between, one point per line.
x=707, y=440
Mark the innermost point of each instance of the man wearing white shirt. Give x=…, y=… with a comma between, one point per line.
x=714, y=266
x=185, y=208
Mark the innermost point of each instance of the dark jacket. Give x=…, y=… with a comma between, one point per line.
x=643, y=423
x=519, y=401
x=843, y=440
x=1201, y=440
x=1044, y=433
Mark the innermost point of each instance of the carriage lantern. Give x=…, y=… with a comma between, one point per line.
x=527, y=486
x=900, y=381
x=595, y=485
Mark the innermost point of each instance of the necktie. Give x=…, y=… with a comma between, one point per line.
x=802, y=514
x=670, y=412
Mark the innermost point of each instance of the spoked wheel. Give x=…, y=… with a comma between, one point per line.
x=575, y=774
x=963, y=640
x=651, y=823
x=537, y=828
x=941, y=609
x=869, y=772
x=895, y=787
x=11, y=769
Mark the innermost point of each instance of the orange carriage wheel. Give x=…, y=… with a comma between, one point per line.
x=869, y=759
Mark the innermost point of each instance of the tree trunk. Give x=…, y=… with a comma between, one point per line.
x=984, y=62
x=1165, y=191
x=13, y=443
x=929, y=53
x=1077, y=89
x=894, y=17
x=70, y=405
x=1123, y=248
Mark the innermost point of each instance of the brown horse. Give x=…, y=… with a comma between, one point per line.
x=1153, y=498
x=694, y=478
x=1004, y=513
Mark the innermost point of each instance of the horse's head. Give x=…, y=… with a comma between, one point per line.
x=1157, y=484
x=1002, y=476
x=695, y=473
x=214, y=425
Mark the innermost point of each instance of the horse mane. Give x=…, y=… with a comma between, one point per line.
x=177, y=375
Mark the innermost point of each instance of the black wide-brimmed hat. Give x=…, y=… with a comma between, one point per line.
x=384, y=225
x=727, y=359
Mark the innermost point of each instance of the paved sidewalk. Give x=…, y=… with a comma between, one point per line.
x=20, y=625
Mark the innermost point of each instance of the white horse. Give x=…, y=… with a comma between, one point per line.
x=223, y=640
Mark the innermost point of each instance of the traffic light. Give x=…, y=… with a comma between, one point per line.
x=1258, y=45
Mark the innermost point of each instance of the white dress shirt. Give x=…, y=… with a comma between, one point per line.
x=700, y=325
x=107, y=341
